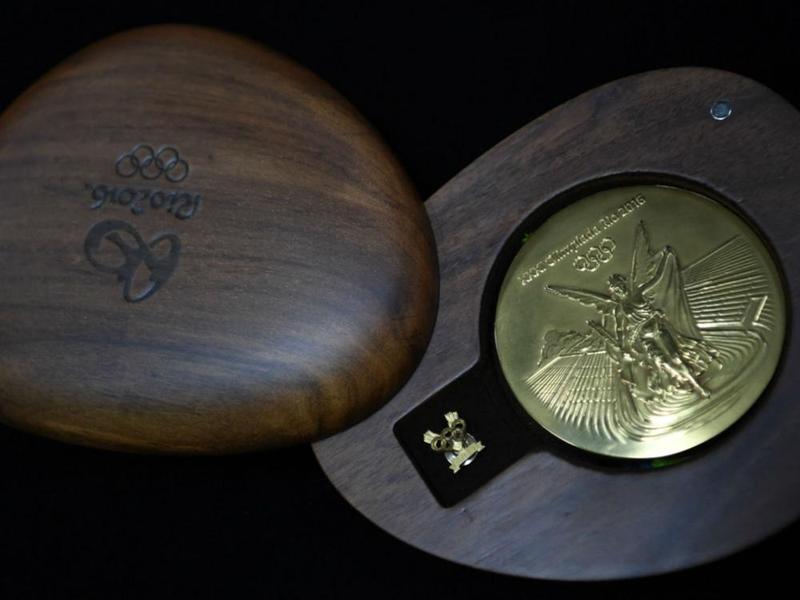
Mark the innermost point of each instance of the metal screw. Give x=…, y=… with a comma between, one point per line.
x=721, y=110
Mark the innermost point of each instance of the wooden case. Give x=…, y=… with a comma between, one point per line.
x=554, y=514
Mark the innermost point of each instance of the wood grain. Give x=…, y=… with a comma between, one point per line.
x=546, y=516
x=305, y=287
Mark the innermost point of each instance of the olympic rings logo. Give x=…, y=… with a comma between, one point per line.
x=594, y=256
x=151, y=164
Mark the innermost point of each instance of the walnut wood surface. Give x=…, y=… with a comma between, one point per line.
x=305, y=288
x=545, y=516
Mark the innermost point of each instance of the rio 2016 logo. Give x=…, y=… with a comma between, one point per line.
x=159, y=256
x=143, y=267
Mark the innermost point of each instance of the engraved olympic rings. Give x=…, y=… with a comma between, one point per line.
x=160, y=266
x=595, y=256
x=151, y=164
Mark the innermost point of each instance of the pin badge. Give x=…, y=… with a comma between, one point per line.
x=458, y=446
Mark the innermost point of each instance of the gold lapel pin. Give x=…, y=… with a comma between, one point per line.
x=458, y=446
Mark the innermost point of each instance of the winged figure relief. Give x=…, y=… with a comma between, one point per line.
x=646, y=354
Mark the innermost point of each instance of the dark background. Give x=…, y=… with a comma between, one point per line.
x=442, y=83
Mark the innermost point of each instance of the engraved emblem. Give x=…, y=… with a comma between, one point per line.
x=151, y=164
x=159, y=257
x=458, y=446
x=649, y=353
x=647, y=329
x=183, y=205
x=595, y=256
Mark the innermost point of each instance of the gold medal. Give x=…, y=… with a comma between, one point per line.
x=640, y=321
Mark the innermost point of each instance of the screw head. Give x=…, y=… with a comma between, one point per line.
x=721, y=110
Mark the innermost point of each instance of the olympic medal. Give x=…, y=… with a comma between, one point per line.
x=640, y=321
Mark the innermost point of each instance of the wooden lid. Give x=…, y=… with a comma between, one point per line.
x=203, y=249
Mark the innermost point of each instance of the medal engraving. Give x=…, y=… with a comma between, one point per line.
x=655, y=349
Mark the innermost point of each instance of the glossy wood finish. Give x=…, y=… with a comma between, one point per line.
x=545, y=516
x=305, y=286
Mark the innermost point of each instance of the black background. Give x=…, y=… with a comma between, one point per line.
x=442, y=83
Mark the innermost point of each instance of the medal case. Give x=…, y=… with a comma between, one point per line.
x=207, y=250
x=531, y=504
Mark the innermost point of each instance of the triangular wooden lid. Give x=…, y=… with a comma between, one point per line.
x=204, y=249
